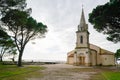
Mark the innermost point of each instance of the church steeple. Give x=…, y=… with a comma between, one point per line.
x=82, y=26
x=82, y=33
x=82, y=21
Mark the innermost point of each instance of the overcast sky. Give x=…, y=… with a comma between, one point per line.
x=62, y=18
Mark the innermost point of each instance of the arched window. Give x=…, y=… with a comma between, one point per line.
x=81, y=39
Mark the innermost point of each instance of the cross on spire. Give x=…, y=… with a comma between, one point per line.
x=82, y=6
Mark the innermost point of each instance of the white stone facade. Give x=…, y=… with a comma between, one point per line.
x=85, y=53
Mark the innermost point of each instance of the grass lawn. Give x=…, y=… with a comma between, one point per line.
x=108, y=74
x=111, y=75
x=12, y=72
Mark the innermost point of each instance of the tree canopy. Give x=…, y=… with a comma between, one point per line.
x=6, y=44
x=21, y=26
x=7, y=5
x=106, y=19
x=117, y=54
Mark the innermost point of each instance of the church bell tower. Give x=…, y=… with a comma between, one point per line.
x=82, y=33
x=82, y=53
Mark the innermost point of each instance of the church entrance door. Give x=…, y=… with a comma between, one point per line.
x=82, y=60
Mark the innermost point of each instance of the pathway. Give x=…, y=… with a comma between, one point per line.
x=63, y=72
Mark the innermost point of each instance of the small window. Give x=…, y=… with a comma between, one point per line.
x=81, y=39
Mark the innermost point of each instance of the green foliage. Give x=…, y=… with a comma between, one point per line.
x=7, y=5
x=117, y=54
x=37, y=28
x=15, y=17
x=3, y=35
x=21, y=26
x=6, y=45
x=106, y=19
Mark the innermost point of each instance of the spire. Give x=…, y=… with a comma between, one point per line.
x=82, y=26
x=82, y=21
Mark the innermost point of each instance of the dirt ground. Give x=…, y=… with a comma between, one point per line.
x=64, y=72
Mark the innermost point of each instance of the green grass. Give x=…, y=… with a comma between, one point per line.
x=12, y=72
x=107, y=74
x=111, y=75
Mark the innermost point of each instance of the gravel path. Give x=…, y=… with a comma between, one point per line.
x=63, y=72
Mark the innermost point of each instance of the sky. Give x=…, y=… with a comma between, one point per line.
x=62, y=18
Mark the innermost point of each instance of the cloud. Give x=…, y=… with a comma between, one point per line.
x=62, y=18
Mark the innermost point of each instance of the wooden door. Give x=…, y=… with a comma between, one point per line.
x=82, y=60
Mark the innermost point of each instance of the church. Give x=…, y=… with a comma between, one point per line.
x=86, y=54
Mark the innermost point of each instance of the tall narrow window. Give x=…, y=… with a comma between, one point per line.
x=81, y=39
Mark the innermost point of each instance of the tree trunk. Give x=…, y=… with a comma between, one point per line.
x=13, y=60
x=19, y=64
x=1, y=59
x=1, y=54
